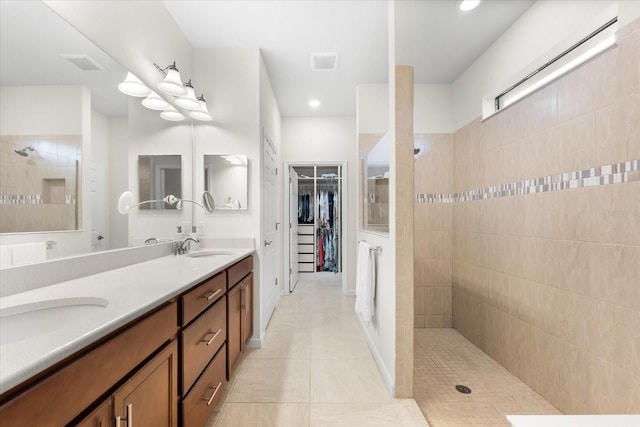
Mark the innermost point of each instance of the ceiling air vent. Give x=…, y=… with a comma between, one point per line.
x=83, y=62
x=324, y=61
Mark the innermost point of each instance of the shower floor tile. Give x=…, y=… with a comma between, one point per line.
x=444, y=359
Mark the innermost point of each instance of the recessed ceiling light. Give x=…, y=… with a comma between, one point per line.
x=467, y=5
x=314, y=103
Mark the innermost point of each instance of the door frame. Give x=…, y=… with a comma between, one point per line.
x=344, y=241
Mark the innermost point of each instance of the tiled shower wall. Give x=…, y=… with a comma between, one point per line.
x=39, y=192
x=546, y=274
x=433, y=225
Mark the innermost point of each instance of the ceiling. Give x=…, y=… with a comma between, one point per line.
x=446, y=41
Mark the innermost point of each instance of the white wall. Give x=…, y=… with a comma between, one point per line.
x=433, y=109
x=118, y=181
x=229, y=80
x=328, y=140
x=545, y=29
x=52, y=110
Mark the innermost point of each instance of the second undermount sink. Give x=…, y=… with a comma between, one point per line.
x=26, y=320
x=205, y=253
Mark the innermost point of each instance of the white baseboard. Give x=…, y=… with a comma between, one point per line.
x=386, y=376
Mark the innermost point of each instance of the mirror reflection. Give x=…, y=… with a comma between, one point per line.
x=376, y=191
x=61, y=117
x=159, y=176
x=225, y=177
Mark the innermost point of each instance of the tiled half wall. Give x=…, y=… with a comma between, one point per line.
x=532, y=218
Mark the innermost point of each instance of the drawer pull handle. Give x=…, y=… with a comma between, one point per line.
x=210, y=340
x=211, y=295
x=128, y=419
x=215, y=391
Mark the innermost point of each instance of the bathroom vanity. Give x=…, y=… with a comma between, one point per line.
x=157, y=353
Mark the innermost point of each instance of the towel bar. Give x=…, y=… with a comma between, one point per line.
x=375, y=249
x=50, y=244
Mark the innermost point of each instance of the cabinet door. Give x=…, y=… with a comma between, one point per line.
x=150, y=397
x=234, y=338
x=101, y=417
x=246, y=314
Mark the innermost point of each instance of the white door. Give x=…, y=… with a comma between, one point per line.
x=269, y=280
x=98, y=207
x=293, y=229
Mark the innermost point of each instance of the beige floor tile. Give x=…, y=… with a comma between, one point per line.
x=393, y=413
x=444, y=359
x=347, y=381
x=283, y=345
x=263, y=415
x=339, y=345
x=271, y=380
x=329, y=322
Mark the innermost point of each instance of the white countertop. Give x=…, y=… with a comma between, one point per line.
x=130, y=292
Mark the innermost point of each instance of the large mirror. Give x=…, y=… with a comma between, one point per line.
x=159, y=176
x=225, y=177
x=375, y=190
x=59, y=106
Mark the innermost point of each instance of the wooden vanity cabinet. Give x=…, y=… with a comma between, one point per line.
x=240, y=311
x=102, y=416
x=64, y=394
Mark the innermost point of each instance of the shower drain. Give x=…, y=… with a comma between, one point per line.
x=463, y=389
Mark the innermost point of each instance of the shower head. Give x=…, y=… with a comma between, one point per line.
x=23, y=152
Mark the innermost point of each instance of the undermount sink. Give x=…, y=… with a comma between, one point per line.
x=202, y=254
x=21, y=321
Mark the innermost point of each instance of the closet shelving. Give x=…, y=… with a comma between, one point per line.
x=319, y=218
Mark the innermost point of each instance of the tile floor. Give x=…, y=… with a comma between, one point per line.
x=314, y=369
x=443, y=359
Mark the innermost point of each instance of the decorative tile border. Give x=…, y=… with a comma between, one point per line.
x=31, y=199
x=610, y=174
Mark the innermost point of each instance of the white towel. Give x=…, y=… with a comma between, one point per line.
x=5, y=256
x=28, y=253
x=365, y=282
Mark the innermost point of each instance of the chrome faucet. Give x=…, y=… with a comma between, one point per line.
x=182, y=247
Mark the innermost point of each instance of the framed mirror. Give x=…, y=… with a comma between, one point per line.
x=159, y=176
x=226, y=178
x=375, y=190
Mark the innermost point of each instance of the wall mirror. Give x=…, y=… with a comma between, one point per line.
x=159, y=176
x=54, y=83
x=375, y=191
x=226, y=178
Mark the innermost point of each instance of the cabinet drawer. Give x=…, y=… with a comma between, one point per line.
x=238, y=270
x=305, y=249
x=305, y=257
x=201, y=340
x=194, y=302
x=306, y=268
x=303, y=238
x=206, y=392
x=305, y=229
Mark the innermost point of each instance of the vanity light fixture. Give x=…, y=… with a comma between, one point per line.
x=153, y=101
x=172, y=84
x=171, y=114
x=201, y=113
x=188, y=101
x=132, y=86
x=467, y=5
